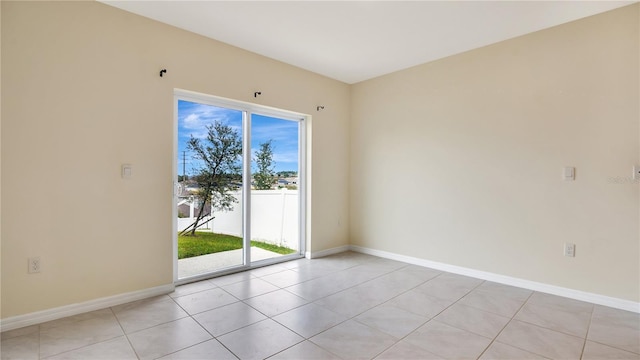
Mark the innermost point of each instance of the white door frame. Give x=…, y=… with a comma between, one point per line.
x=247, y=110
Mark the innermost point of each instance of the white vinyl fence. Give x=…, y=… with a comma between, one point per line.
x=274, y=218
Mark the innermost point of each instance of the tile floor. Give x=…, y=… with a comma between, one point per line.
x=346, y=306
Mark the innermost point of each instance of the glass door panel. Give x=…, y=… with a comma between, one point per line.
x=275, y=180
x=209, y=188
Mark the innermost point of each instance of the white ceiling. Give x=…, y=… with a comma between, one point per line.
x=352, y=41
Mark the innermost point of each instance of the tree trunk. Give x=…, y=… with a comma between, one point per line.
x=206, y=196
x=186, y=230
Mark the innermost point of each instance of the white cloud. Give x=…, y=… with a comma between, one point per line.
x=194, y=121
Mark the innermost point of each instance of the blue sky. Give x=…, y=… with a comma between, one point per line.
x=193, y=119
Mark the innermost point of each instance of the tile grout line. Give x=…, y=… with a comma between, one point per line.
x=126, y=336
x=213, y=337
x=445, y=309
x=353, y=317
x=401, y=338
x=164, y=323
x=586, y=336
x=287, y=348
x=191, y=316
x=514, y=319
x=548, y=327
x=267, y=316
x=309, y=303
x=302, y=282
x=436, y=315
x=352, y=286
x=39, y=341
x=495, y=338
x=83, y=346
x=384, y=302
x=274, y=320
x=484, y=291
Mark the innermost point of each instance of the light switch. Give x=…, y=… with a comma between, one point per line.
x=636, y=172
x=568, y=173
x=127, y=171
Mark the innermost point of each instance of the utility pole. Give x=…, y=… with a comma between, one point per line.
x=184, y=165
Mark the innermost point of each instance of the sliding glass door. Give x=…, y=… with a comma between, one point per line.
x=239, y=194
x=275, y=190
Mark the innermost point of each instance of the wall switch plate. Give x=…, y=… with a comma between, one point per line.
x=127, y=171
x=569, y=173
x=636, y=172
x=569, y=250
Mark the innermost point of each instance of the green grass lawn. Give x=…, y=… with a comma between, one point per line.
x=208, y=243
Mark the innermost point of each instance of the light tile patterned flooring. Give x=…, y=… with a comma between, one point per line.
x=345, y=306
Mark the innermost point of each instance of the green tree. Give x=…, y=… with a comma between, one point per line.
x=220, y=155
x=265, y=173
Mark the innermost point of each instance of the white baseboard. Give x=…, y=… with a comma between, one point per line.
x=327, y=252
x=39, y=317
x=507, y=280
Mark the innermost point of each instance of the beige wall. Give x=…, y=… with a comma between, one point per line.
x=459, y=161
x=81, y=95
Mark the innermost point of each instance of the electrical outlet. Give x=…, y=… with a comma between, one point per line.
x=34, y=265
x=569, y=250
